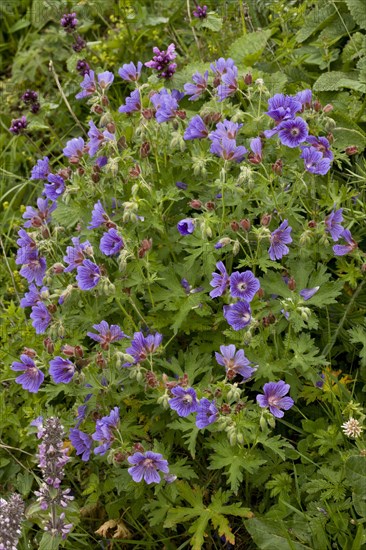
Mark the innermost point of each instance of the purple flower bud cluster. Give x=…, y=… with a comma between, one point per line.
x=18, y=125
x=11, y=517
x=200, y=12
x=82, y=67
x=161, y=62
x=52, y=458
x=69, y=22
x=30, y=97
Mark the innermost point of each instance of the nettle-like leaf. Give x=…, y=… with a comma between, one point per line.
x=316, y=20
x=358, y=336
x=215, y=513
x=248, y=48
x=336, y=80
x=270, y=534
x=357, y=10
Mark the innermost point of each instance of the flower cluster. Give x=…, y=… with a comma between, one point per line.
x=11, y=517
x=162, y=61
x=52, y=458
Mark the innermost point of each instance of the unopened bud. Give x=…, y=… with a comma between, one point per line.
x=95, y=177
x=248, y=79
x=245, y=224
x=111, y=127
x=352, y=150
x=266, y=219
x=30, y=352
x=312, y=223
x=291, y=283
x=236, y=248
x=328, y=108
x=277, y=167
x=210, y=205
x=81, y=171
x=317, y=105
x=58, y=268
x=98, y=109
x=235, y=226
x=135, y=171
x=196, y=204
x=148, y=113
x=330, y=137
x=145, y=149
x=105, y=100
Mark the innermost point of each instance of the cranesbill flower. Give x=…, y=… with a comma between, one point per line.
x=41, y=170
x=27, y=247
x=166, y=106
x=274, y=398
x=221, y=66
x=130, y=72
x=41, y=317
x=342, y=249
x=55, y=188
x=314, y=161
x=88, y=85
x=62, y=370
x=322, y=145
x=307, y=293
x=184, y=402
x=74, y=149
x=32, y=377
x=133, y=103
x=255, y=157
x=107, y=334
x=141, y=346
x=146, y=466
x=97, y=138
x=41, y=215
x=283, y=107
x=305, y=97
x=196, y=129
x=34, y=269
x=33, y=296
x=238, y=315
x=198, y=88
x=234, y=362
x=103, y=431
x=279, y=239
x=228, y=150
x=333, y=224
x=105, y=79
x=111, y=242
x=225, y=129
x=220, y=281
x=75, y=254
x=228, y=85
x=88, y=275
x=207, y=413
x=243, y=285
x=293, y=132
x=82, y=443
x=186, y=226
x=99, y=216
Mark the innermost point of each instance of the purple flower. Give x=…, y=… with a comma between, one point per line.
x=69, y=22
x=99, y=216
x=273, y=398
x=74, y=148
x=308, y=293
x=165, y=105
x=238, y=315
x=88, y=85
x=333, y=224
x=27, y=250
x=82, y=66
x=322, y=145
x=130, y=72
x=186, y=226
x=97, y=138
x=111, y=243
x=33, y=296
x=105, y=79
x=41, y=170
x=62, y=370
x=255, y=157
x=88, y=275
x=198, y=88
x=141, y=346
x=200, y=12
x=40, y=216
x=79, y=44
x=41, y=317
x=103, y=431
x=314, y=161
x=234, y=362
x=279, y=239
x=107, y=334
x=30, y=96
x=243, y=285
x=305, y=97
x=229, y=85
x=82, y=443
x=55, y=188
x=342, y=249
x=133, y=103
x=221, y=66
x=34, y=269
x=75, y=254
x=18, y=125
x=184, y=402
x=161, y=61
x=283, y=107
x=146, y=466
x=181, y=185
x=101, y=161
x=219, y=282
x=32, y=377
x=196, y=129
x=226, y=129
x=228, y=150
x=293, y=132
x=207, y=413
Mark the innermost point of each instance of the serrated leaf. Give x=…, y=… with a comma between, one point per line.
x=248, y=48
x=212, y=22
x=336, y=80
x=271, y=534
x=316, y=20
x=358, y=336
x=358, y=12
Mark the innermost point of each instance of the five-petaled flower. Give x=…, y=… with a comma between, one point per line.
x=184, y=402
x=32, y=376
x=146, y=466
x=279, y=238
x=234, y=362
x=274, y=398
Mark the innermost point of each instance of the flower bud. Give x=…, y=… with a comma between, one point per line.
x=98, y=109
x=312, y=223
x=210, y=205
x=262, y=423
x=236, y=248
x=151, y=379
x=146, y=245
x=135, y=171
x=277, y=167
x=328, y=108
x=266, y=219
x=105, y=100
x=81, y=171
x=291, y=283
x=145, y=149
x=148, y=113
x=234, y=393
x=164, y=400
x=196, y=204
x=248, y=79
x=235, y=226
x=95, y=177
x=245, y=224
x=317, y=105
x=351, y=150
x=58, y=268
x=30, y=352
